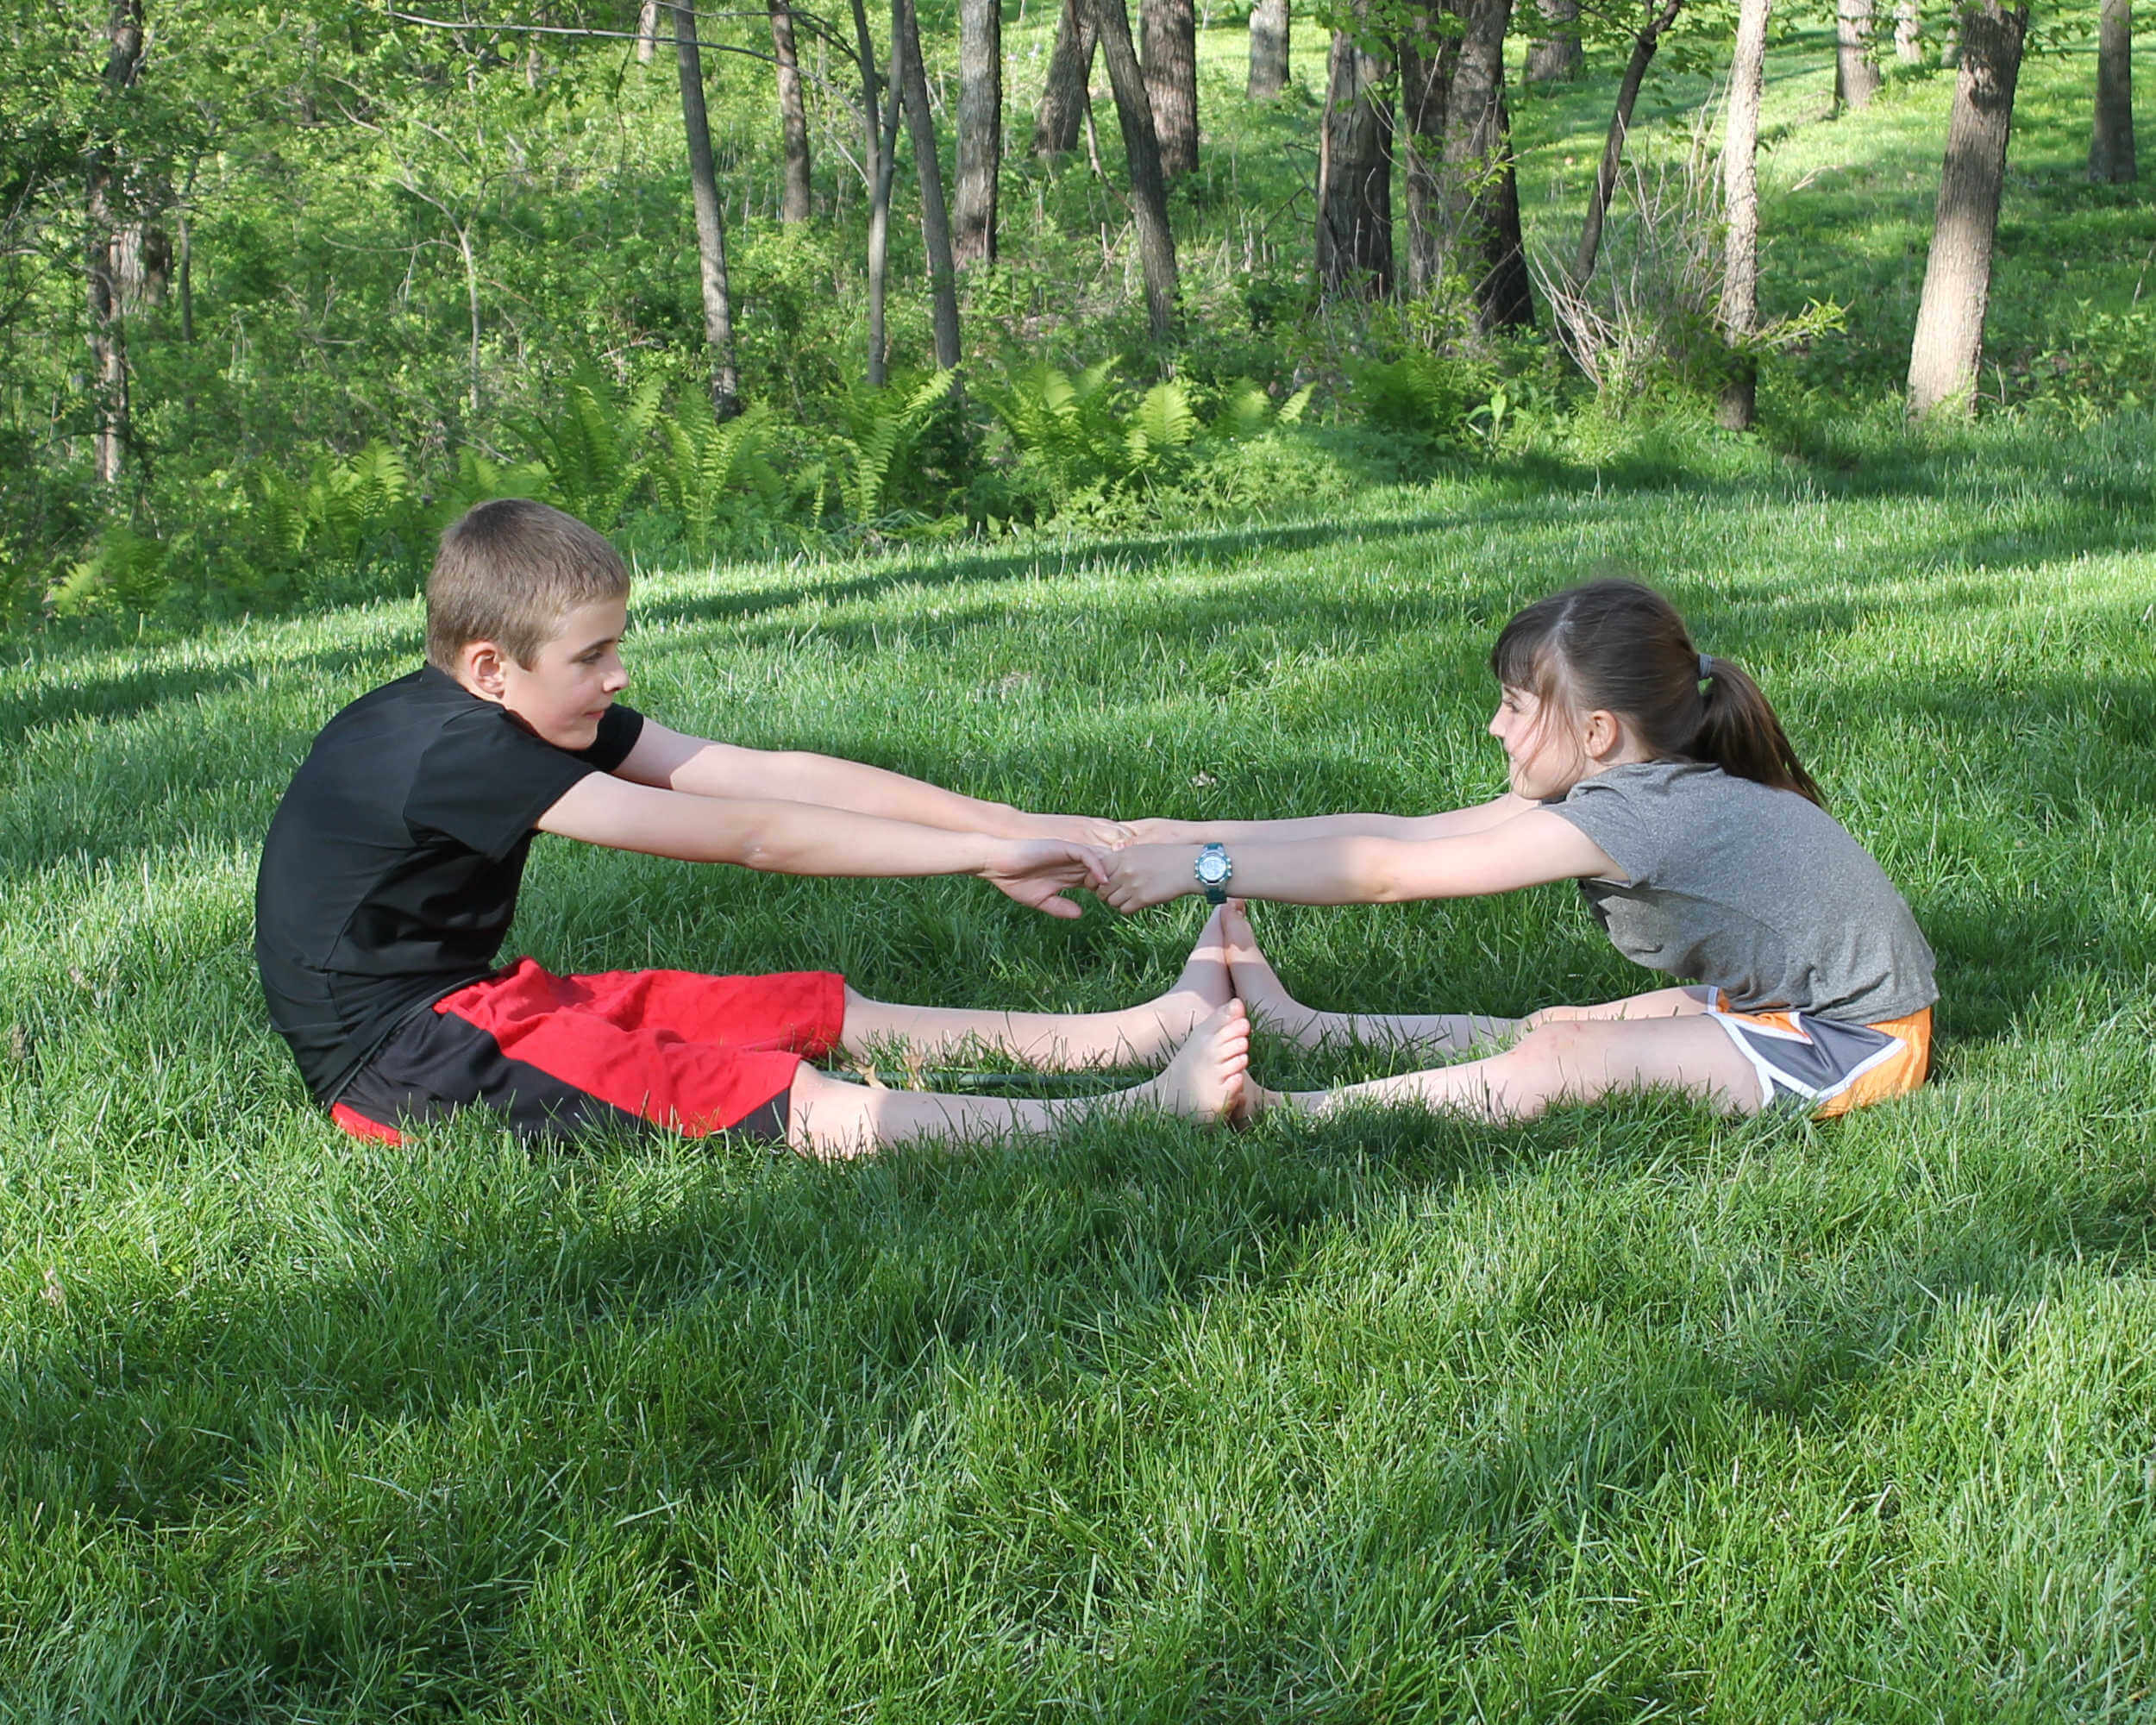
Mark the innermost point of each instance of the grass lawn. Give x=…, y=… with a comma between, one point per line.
x=1632, y=1413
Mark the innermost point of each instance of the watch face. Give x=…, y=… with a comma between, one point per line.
x=1213, y=867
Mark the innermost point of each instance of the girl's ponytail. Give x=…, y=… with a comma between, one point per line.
x=1739, y=733
x=1620, y=646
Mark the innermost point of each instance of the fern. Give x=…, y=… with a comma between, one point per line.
x=124, y=572
x=704, y=470
x=592, y=447
x=1163, y=423
x=882, y=427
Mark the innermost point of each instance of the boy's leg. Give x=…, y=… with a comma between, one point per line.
x=1136, y=1036
x=1259, y=986
x=828, y=1117
x=1570, y=1060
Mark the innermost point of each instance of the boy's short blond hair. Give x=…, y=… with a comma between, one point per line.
x=509, y=572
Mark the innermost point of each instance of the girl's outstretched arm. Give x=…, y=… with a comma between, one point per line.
x=1526, y=850
x=1476, y=817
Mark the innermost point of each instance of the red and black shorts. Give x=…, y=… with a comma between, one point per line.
x=562, y=1057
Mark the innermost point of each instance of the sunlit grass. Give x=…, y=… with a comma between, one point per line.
x=1630, y=1414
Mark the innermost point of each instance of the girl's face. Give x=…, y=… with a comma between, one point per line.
x=1546, y=757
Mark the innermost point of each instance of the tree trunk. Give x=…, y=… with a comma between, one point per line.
x=1857, y=75
x=1355, y=175
x=2111, y=140
x=1428, y=56
x=647, y=30
x=1909, y=32
x=1559, y=57
x=1064, y=99
x=1269, y=50
x=793, y=203
x=711, y=225
x=980, y=129
x=1141, y=150
x=1643, y=47
x=1168, y=49
x=928, y=173
x=1739, y=313
x=879, y=150
x=1481, y=189
x=104, y=242
x=1949, y=343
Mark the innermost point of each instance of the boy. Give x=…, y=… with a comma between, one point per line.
x=390, y=873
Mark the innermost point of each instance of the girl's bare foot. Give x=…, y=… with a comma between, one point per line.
x=1258, y=985
x=1205, y=1080
x=1202, y=990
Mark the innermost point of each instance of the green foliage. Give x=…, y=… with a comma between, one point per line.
x=123, y=574
x=1421, y=394
x=711, y=476
x=869, y=456
x=594, y=445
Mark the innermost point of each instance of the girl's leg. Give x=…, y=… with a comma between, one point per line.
x=1136, y=1036
x=1565, y=1060
x=1258, y=985
x=828, y=1117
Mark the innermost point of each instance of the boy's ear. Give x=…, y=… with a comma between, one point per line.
x=479, y=668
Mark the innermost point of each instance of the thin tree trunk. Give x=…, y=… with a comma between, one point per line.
x=793, y=201
x=1063, y=99
x=1428, y=56
x=1557, y=57
x=711, y=224
x=1739, y=313
x=1643, y=47
x=1478, y=178
x=1168, y=49
x=1909, y=32
x=1857, y=75
x=1269, y=50
x=980, y=129
x=103, y=244
x=1355, y=175
x=1141, y=151
x=647, y=30
x=879, y=150
x=1949, y=342
x=928, y=174
x=2111, y=138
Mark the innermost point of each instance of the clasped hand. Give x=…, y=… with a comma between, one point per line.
x=1039, y=872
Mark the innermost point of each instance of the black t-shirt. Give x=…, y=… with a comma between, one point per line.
x=390, y=872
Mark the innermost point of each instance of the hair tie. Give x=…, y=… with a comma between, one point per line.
x=1706, y=668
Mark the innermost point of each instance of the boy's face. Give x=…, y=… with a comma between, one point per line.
x=566, y=689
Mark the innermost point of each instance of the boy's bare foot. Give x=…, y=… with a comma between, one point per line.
x=1205, y=1080
x=1258, y=985
x=1202, y=990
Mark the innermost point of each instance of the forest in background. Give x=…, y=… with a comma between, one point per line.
x=286, y=285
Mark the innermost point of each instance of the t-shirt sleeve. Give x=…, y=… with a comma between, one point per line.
x=484, y=780
x=1613, y=816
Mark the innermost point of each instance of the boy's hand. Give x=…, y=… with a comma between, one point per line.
x=1075, y=829
x=1144, y=875
x=1035, y=872
x=1156, y=830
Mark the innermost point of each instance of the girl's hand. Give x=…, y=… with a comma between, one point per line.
x=1036, y=872
x=1144, y=875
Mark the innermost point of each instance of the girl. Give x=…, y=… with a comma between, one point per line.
x=1658, y=778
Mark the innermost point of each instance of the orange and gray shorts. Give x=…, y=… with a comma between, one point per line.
x=1829, y=1064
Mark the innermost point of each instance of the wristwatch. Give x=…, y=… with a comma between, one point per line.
x=1214, y=871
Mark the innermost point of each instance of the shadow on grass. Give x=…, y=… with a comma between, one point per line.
x=517, y=1366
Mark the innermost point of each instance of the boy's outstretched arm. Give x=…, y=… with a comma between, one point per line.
x=801, y=838
x=1528, y=850
x=697, y=767
x=1451, y=823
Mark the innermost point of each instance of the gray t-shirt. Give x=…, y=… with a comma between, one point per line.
x=1758, y=892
